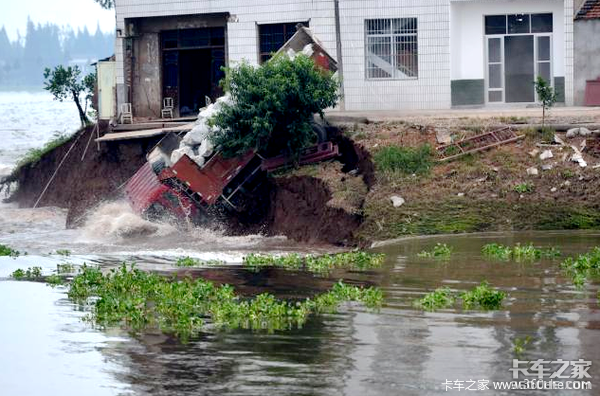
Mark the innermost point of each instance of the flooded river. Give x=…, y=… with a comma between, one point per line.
x=396, y=351
x=47, y=349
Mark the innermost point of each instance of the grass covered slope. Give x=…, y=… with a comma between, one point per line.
x=487, y=191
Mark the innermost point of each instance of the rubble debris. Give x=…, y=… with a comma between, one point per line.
x=533, y=153
x=460, y=194
x=578, y=157
x=579, y=131
x=397, y=201
x=558, y=140
x=547, y=167
x=532, y=171
x=546, y=154
x=553, y=189
x=443, y=136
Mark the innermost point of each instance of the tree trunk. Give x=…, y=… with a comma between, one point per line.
x=82, y=116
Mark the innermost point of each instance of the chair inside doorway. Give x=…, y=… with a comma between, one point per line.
x=192, y=61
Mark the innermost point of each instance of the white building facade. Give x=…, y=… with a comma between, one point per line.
x=407, y=54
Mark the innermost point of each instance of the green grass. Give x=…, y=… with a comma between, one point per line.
x=137, y=300
x=8, y=251
x=323, y=264
x=582, y=267
x=440, y=298
x=483, y=297
x=439, y=251
x=524, y=188
x=406, y=160
x=34, y=155
x=519, y=252
x=30, y=273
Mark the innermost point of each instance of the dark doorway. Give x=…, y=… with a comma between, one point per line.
x=519, y=69
x=192, y=61
x=194, y=68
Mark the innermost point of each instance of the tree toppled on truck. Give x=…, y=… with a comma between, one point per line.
x=273, y=106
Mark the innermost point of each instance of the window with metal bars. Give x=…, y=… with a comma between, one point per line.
x=271, y=37
x=391, y=48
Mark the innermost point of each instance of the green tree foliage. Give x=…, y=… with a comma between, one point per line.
x=106, y=4
x=273, y=106
x=65, y=83
x=546, y=96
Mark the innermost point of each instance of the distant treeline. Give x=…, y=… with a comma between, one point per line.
x=22, y=62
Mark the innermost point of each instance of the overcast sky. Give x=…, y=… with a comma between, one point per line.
x=76, y=13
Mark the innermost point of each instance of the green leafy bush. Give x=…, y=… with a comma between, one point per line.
x=273, y=106
x=406, y=160
x=440, y=250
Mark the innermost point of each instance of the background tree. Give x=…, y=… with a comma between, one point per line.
x=65, y=83
x=273, y=106
x=546, y=95
x=106, y=4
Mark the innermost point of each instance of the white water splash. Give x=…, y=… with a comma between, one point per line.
x=112, y=220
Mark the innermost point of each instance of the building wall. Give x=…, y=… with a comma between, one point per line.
x=468, y=61
x=432, y=88
x=587, y=55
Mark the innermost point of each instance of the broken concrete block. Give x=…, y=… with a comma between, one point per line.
x=547, y=167
x=546, y=154
x=443, y=136
x=553, y=189
x=571, y=133
x=460, y=194
x=558, y=140
x=534, y=152
x=584, y=132
x=397, y=201
x=196, y=136
x=532, y=171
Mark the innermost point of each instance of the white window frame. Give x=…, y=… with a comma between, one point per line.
x=396, y=74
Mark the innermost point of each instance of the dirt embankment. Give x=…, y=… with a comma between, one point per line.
x=82, y=182
x=302, y=207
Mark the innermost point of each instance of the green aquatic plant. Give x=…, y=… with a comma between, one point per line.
x=192, y=262
x=440, y=298
x=582, y=267
x=138, y=300
x=323, y=264
x=63, y=252
x=497, y=251
x=8, y=251
x=54, y=280
x=483, y=297
x=187, y=262
x=520, y=344
x=30, y=273
x=65, y=268
x=440, y=250
x=519, y=252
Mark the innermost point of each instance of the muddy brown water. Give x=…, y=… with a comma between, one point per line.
x=47, y=349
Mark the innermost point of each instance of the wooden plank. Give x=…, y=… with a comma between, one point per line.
x=109, y=137
x=475, y=150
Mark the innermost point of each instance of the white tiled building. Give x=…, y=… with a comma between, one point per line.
x=396, y=54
